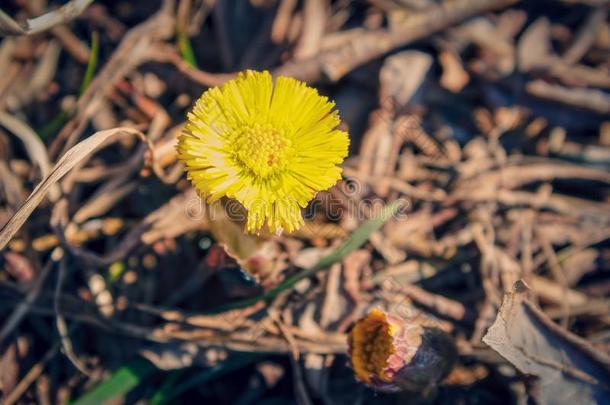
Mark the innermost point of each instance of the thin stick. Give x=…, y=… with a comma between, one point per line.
x=60, y=321
x=24, y=307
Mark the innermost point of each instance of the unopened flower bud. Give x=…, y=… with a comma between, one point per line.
x=391, y=354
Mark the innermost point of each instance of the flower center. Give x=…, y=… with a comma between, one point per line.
x=371, y=347
x=262, y=149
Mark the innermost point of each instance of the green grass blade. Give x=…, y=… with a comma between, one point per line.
x=64, y=116
x=55, y=125
x=92, y=64
x=186, y=49
x=354, y=242
x=123, y=380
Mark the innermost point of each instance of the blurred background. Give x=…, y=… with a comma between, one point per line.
x=491, y=118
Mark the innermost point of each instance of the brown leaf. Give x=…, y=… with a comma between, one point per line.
x=454, y=76
x=402, y=74
x=535, y=47
x=177, y=355
x=579, y=264
x=569, y=368
x=185, y=212
x=18, y=266
x=9, y=364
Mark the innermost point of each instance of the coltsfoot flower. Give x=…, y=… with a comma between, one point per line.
x=270, y=146
x=390, y=354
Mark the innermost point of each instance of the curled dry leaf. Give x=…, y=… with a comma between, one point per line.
x=569, y=368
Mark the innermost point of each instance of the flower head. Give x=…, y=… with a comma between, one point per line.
x=390, y=354
x=270, y=146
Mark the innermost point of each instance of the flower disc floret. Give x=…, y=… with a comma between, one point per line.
x=263, y=150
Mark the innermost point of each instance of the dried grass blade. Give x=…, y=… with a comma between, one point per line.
x=73, y=157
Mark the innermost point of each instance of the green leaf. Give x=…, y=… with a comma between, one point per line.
x=64, y=115
x=115, y=271
x=354, y=242
x=186, y=49
x=92, y=63
x=120, y=383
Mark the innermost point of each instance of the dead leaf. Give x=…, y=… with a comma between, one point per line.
x=176, y=355
x=185, y=212
x=578, y=264
x=569, y=368
x=535, y=47
x=454, y=76
x=9, y=364
x=354, y=265
x=18, y=266
x=403, y=74
x=308, y=257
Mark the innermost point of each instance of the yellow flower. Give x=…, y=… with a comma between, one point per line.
x=270, y=146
